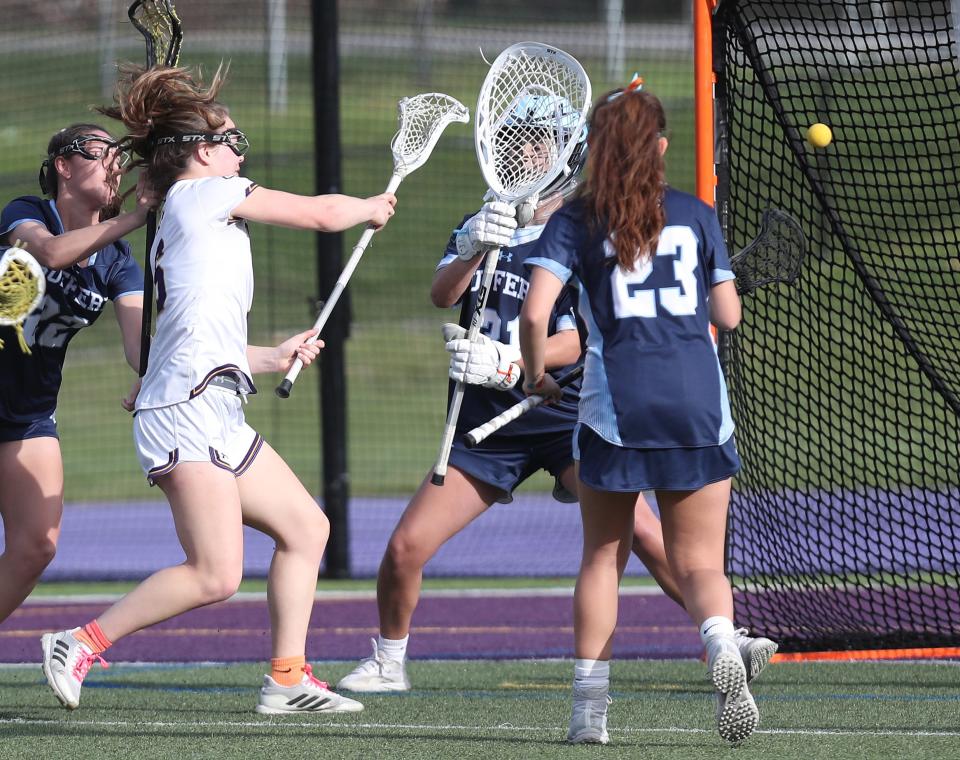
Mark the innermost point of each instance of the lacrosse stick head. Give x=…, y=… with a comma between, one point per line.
x=530, y=119
x=22, y=285
x=160, y=26
x=422, y=120
x=775, y=255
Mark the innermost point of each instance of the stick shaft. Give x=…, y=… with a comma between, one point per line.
x=476, y=321
x=146, y=319
x=283, y=390
x=484, y=431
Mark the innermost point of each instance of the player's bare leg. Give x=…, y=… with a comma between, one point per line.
x=694, y=529
x=434, y=515
x=607, y=539
x=206, y=512
x=648, y=546
x=275, y=502
x=647, y=540
x=31, y=504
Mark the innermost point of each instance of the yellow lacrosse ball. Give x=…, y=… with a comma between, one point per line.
x=819, y=135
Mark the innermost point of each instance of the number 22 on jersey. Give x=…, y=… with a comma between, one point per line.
x=632, y=299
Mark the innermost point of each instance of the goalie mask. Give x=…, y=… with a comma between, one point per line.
x=541, y=119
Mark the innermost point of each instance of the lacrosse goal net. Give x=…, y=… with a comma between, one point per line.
x=844, y=528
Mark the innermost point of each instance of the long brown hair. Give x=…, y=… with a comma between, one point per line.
x=625, y=172
x=160, y=102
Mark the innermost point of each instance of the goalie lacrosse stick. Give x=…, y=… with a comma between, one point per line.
x=160, y=26
x=530, y=114
x=22, y=285
x=422, y=120
x=481, y=432
x=775, y=255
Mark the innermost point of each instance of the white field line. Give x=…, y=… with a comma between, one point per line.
x=365, y=595
x=286, y=724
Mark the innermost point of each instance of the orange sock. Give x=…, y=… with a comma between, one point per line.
x=287, y=671
x=93, y=637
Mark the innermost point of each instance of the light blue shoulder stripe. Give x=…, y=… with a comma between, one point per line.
x=721, y=275
x=445, y=261
x=563, y=273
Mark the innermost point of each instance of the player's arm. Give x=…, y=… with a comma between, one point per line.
x=545, y=288
x=280, y=358
x=725, y=309
x=323, y=213
x=129, y=311
x=62, y=251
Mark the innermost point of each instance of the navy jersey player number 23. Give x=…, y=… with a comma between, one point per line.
x=649, y=338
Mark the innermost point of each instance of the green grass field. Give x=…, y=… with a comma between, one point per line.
x=470, y=709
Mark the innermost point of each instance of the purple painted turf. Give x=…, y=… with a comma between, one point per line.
x=443, y=627
x=534, y=535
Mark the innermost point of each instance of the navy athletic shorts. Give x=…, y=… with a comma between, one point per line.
x=505, y=461
x=45, y=427
x=605, y=466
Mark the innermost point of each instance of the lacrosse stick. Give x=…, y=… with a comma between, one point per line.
x=22, y=285
x=530, y=114
x=160, y=26
x=422, y=120
x=775, y=255
x=480, y=433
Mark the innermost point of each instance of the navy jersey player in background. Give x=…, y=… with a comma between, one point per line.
x=541, y=439
x=86, y=264
x=653, y=273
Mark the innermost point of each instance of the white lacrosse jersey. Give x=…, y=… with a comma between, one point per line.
x=203, y=272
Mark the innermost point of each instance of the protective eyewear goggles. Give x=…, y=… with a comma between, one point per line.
x=233, y=138
x=90, y=148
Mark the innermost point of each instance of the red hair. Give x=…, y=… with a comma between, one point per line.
x=625, y=172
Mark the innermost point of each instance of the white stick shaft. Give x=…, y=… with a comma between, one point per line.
x=484, y=431
x=338, y=289
x=476, y=322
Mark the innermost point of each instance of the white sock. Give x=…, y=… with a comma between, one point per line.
x=715, y=626
x=393, y=649
x=591, y=674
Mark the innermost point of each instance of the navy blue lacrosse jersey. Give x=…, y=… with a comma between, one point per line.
x=651, y=377
x=74, y=299
x=501, y=322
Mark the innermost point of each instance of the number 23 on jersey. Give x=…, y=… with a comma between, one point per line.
x=631, y=298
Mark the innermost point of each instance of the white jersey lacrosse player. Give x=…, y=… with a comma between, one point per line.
x=203, y=272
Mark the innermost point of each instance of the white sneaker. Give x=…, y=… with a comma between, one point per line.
x=308, y=696
x=756, y=652
x=66, y=662
x=588, y=721
x=376, y=673
x=737, y=714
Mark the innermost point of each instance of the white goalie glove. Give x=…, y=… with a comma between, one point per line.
x=491, y=227
x=487, y=363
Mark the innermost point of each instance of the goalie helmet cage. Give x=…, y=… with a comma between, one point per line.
x=844, y=527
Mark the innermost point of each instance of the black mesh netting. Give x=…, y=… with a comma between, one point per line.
x=845, y=524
